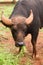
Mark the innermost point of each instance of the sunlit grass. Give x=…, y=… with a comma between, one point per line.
x=7, y=9
x=7, y=58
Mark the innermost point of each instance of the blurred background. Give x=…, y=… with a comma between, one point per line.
x=8, y=0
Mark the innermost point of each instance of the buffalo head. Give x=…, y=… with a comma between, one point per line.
x=18, y=26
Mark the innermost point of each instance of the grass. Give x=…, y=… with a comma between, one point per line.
x=6, y=57
x=7, y=9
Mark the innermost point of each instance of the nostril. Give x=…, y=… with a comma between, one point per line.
x=18, y=44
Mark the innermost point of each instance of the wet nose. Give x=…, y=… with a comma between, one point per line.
x=18, y=44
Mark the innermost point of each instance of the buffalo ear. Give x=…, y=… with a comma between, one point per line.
x=30, y=18
x=6, y=20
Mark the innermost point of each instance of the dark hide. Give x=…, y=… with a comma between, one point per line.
x=22, y=8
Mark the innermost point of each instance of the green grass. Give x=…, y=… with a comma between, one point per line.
x=7, y=9
x=7, y=58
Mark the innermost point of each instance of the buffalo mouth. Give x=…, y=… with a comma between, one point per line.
x=19, y=44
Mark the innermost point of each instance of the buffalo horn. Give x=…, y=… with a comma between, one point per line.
x=30, y=18
x=6, y=20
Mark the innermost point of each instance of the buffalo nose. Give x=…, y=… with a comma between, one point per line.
x=18, y=44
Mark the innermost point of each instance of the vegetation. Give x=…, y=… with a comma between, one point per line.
x=8, y=58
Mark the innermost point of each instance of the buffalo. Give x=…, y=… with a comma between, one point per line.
x=26, y=18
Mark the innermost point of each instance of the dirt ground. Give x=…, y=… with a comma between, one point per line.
x=39, y=60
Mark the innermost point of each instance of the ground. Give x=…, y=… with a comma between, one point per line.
x=6, y=38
